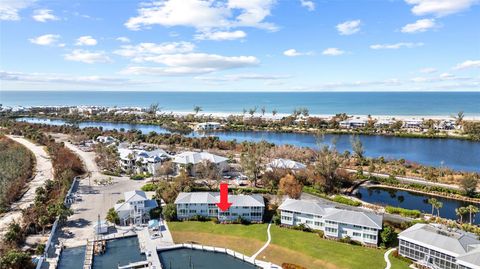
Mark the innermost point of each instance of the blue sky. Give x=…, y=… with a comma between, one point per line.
x=241, y=45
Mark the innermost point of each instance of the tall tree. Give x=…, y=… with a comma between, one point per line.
x=154, y=107
x=251, y=159
x=460, y=212
x=357, y=147
x=274, y=112
x=263, y=110
x=472, y=210
x=433, y=202
x=459, y=118
x=290, y=186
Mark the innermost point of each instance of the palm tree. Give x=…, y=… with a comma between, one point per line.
x=197, y=109
x=459, y=118
x=252, y=111
x=274, y=112
x=461, y=211
x=434, y=202
x=263, y=110
x=244, y=111
x=472, y=210
x=438, y=206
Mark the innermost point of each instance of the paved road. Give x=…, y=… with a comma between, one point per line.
x=43, y=171
x=92, y=200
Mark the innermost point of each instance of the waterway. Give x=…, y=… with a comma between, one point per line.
x=457, y=154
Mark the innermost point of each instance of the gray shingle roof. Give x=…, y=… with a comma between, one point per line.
x=214, y=197
x=454, y=241
x=303, y=206
x=190, y=157
x=365, y=219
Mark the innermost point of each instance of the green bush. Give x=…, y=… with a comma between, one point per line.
x=403, y=212
x=155, y=213
x=276, y=219
x=346, y=201
x=149, y=187
x=170, y=212
x=137, y=177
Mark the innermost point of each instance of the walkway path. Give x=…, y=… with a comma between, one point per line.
x=410, y=180
x=43, y=171
x=387, y=260
x=254, y=256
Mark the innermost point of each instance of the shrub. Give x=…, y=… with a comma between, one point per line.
x=403, y=212
x=149, y=187
x=137, y=177
x=388, y=236
x=155, y=213
x=40, y=249
x=170, y=212
x=276, y=219
x=291, y=266
x=346, y=201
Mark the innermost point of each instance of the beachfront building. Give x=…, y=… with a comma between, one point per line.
x=141, y=161
x=135, y=209
x=413, y=124
x=438, y=247
x=285, y=164
x=189, y=160
x=336, y=223
x=207, y=126
x=384, y=123
x=353, y=123
x=247, y=207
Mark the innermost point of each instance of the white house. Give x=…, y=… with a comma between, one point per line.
x=353, y=123
x=208, y=126
x=285, y=164
x=439, y=247
x=336, y=223
x=189, y=160
x=141, y=161
x=413, y=124
x=248, y=207
x=106, y=139
x=135, y=209
x=382, y=123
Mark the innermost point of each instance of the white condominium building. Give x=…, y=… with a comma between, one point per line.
x=336, y=223
x=248, y=207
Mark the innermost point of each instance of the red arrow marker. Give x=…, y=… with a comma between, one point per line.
x=224, y=205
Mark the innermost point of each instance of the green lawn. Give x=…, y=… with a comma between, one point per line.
x=292, y=246
x=398, y=263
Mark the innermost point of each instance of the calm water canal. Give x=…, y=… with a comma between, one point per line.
x=411, y=200
x=453, y=153
x=119, y=252
x=188, y=259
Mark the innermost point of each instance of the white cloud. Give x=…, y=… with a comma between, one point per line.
x=88, y=57
x=238, y=77
x=86, y=41
x=221, y=35
x=192, y=63
x=139, y=52
x=294, y=53
x=44, y=15
x=45, y=40
x=349, y=27
x=396, y=45
x=428, y=70
x=468, y=64
x=203, y=14
x=61, y=78
x=419, y=26
x=310, y=5
x=9, y=9
x=333, y=52
x=123, y=39
x=440, y=7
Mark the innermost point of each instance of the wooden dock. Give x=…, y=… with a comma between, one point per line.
x=88, y=262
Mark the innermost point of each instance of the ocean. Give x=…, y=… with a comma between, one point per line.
x=358, y=103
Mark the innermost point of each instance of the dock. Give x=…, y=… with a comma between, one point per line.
x=148, y=245
x=88, y=262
